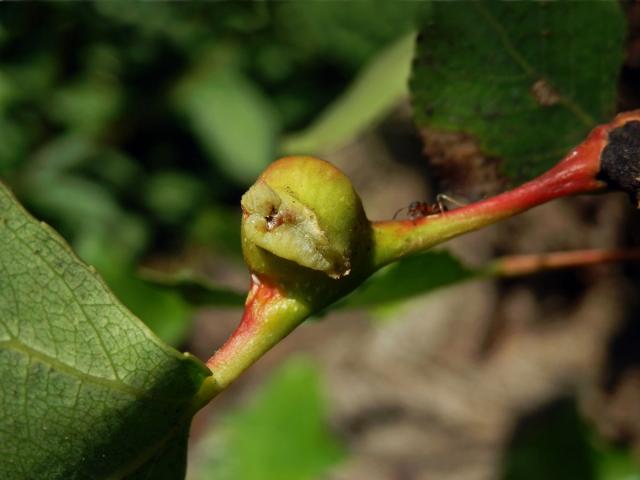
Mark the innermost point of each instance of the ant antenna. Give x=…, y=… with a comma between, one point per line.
x=397, y=212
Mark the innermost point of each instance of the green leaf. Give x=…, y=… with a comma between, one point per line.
x=101, y=232
x=162, y=310
x=614, y=463
x=542, y=444
x=218, y=228
x=400, y=281
x=376, y=90
x=350, y=33
x=281, y=435
x=194, y=289
x=233, y=120
x=87, y=106
x=528, y=80
x=78, y=203
x=87, y=391
x=409, y=277
x=172, y=195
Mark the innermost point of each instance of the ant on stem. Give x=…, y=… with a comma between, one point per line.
x=418, y=209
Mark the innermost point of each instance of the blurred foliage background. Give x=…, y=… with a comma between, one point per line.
x=134, y=128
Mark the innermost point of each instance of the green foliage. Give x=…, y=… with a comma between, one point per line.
x=350, y=32
x=232, y=119
x=614, y=463
x=543, y=446
x=165, y=312
x=87, y=209
x=556, y=444
x=218, y=228
x=281, y=435
x=395, y=283
x=194, y=289
x=407, y=278
x=171, y=195
x=527, y=80
x=87, y=390
x=134, y=130
x=375, y=91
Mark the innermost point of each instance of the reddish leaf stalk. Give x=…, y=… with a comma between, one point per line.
x=576, y=173
x=260, y=293
x=519, y=265
x=263, y=324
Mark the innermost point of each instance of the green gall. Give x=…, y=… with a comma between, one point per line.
x=283, y=226
x=303, y=210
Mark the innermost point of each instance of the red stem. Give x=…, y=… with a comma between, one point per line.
x=518, y=265
x=576, y=173
x=260, y=294
x=268, y=317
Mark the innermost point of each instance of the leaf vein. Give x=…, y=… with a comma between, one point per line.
x=567, y=101
x=20, y=347
x=81, y=306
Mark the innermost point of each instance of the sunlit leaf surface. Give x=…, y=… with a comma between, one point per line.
x=87, y=390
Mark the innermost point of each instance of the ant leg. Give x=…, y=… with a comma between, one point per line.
x=442, y=197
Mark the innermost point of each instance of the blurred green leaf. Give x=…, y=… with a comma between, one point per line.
x=349, y=32
x=74, y=181
x=552, y=444
x=400, y=281
x=7, y=91
x=53, y=186
x=59, y=155
x=32, y=80
x=194, y=289
x=615, y=463
x=281, y=435
x=85, y=107
x=528, y=80
x=13, y=147
x=103, y=234
x=555, y=444
x=74, y=200
x=219, y=228
x=115, y=169
x=232, y=119
x=374, y=92
x=171, y=195
x=149, y=20
x=409, y=277
x=162, y=311
x=87, y=209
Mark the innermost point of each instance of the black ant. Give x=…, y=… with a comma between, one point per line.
x=418, y=209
